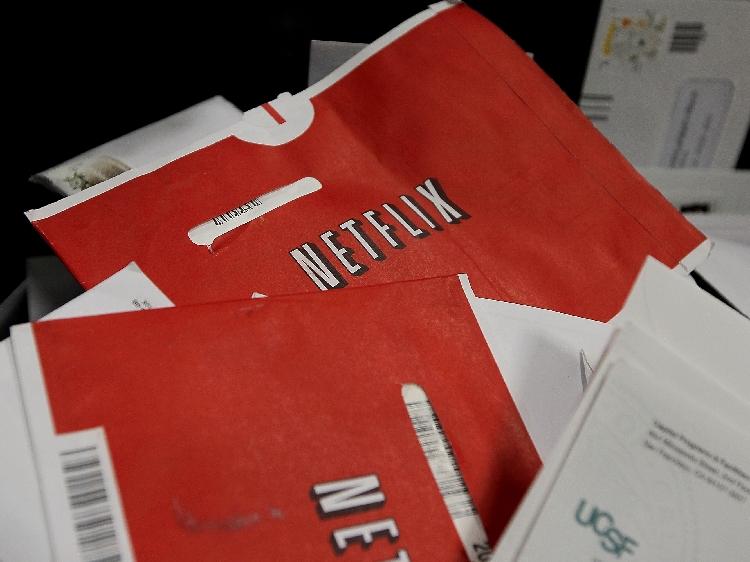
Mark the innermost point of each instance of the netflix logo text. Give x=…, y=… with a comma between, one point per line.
x=339, y=498
x=392, y=234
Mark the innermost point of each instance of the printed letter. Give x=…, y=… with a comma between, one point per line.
x=317, y=267
x=344, y=496
x=434, y=193
x=364, y=534
x=353, y=226
x=410, y=228
x=342, y=253
x=383, y=228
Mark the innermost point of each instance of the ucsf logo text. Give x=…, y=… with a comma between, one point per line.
x=603, y=524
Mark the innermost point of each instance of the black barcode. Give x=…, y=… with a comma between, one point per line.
x=687, y=36
x=90, y=505
x=596, y=107
x=441, y=458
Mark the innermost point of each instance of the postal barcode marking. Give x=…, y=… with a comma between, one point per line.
x=439, y=454
x=90, y=505
x=446, y=472
x=687, y=37
x=596, y=107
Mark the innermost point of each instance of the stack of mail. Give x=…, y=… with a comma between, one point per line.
x=216, y=395
x=655, y=464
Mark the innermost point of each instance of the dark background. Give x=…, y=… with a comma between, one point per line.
x=75, y=85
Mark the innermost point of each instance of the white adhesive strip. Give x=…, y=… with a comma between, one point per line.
x=206, y=233
x=447, y=474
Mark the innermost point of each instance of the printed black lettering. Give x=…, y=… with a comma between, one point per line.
x=343, y=253
x=384, y=229
x=403, y=221
x=434, y=193
x=346, y=496
x=364, y=534
x=355, y=228
x=317, y=267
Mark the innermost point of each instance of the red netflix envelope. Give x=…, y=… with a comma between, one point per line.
x=441, y=148
x=369, y=424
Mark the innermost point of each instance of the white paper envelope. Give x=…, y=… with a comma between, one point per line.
x=133, y=150
x=669, y=327
x=654, y=474
x=706, y=333
x=23, y=531
x=545, y=358
x=668, y=81
x=637, y=347
x=667, y=374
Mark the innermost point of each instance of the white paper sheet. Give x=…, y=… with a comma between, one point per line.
x=705, y=332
